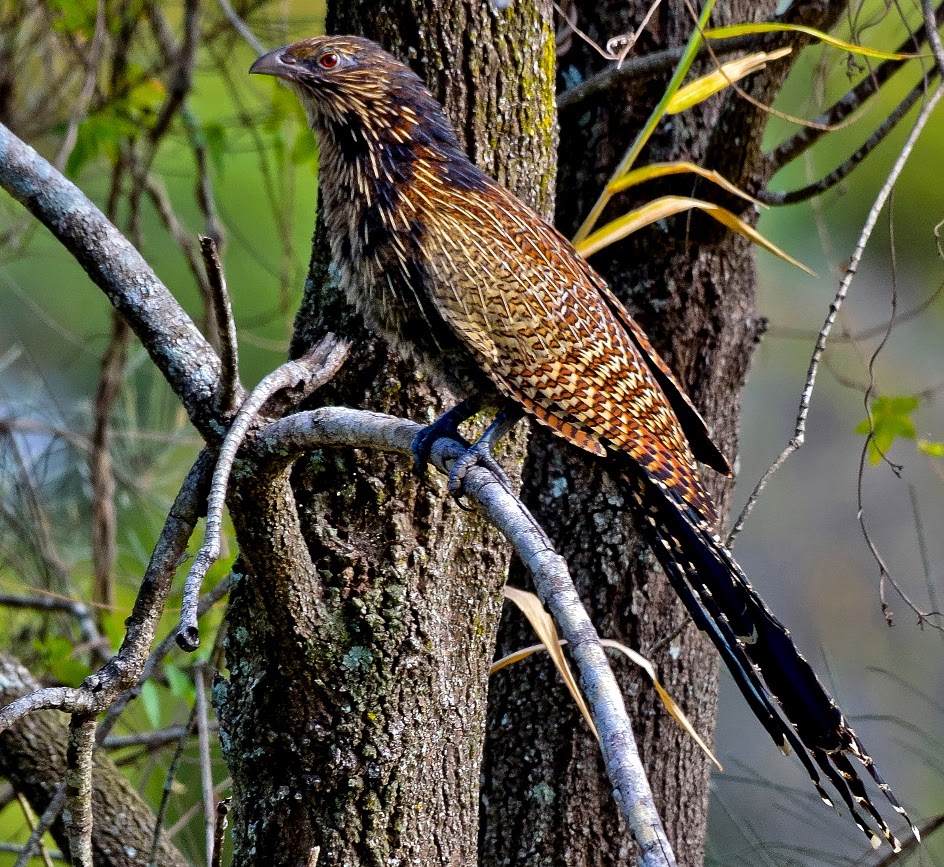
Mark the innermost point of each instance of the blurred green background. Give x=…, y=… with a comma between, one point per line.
x=802, y=545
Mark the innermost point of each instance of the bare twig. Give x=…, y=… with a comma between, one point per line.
x=31, y=821
x=50, y=814
x=91, y=60
x=799, y=433
x=306, y=374
x=104, y=521
x=283, y=441
x=222, y=814
x=241, y=27
x=182, y=237
x=225, y=325
x=791, y=197
x=934, y=38
x=155, y=739
x=182, y=75
x=101, y=689
x=169, y=778
x=79, y=610
x=206, y=768
x=207, y=601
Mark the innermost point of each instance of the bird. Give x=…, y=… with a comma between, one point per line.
x=492, y=302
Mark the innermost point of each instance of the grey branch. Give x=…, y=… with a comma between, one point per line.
x=305, y=375
x=284, y=441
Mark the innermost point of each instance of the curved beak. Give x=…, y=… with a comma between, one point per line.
x=272, y=63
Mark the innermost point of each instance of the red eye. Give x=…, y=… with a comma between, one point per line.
x=329, y=60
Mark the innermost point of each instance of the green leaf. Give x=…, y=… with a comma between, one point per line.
x=73, y=16
x=891, y=420
x=151, y=699
x=727, y=74
x=659, y=209
x=180, y=685
x=934, y=449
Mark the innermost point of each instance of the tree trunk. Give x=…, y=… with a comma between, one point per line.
x=546, y=799
x=361, y=629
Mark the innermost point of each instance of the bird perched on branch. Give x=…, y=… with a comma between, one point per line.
x=495, y=304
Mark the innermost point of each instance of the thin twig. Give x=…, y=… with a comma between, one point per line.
x=222, y=820
x=46, y=853
x=101, y=689
x=91, y=637
x=50, y=814
x=307, y=374
x=155, y=739
x=206, y=768
x=225, y=325
x=175, y=344
x=31, y=821
x=182, y=76
x=207, y=601
x=799, y=433
x=169, y=778
x=284, y=441
x=792, y=197
x=805, y=138
x=101, y=470
x=934, y=38
x=241, y=27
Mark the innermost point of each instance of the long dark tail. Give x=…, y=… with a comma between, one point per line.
x=780, y=686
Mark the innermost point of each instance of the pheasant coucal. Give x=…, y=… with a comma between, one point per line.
x=495, y=304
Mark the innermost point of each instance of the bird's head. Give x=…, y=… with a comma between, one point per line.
x=350, y=82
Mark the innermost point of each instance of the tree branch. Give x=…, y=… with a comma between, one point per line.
x=282, y=442
x=33, y=758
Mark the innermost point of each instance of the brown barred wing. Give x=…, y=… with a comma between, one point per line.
x=520, y=298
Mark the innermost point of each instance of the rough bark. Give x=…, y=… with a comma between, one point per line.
x=545, y=798
x=361, y=630
x=33, y=759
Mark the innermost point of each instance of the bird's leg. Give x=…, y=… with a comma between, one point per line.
x=481, y=452
x=447, y=425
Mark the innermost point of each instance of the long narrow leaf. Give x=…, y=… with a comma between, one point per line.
x=692, y=47
x=725, y=75
x=543, y=625
x=660, y=170
x=674, y=710
x=667, y=206
x=776, y=27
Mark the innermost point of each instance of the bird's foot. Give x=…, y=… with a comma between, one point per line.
x=447, y=425
x=423, y=444
x=480, y=454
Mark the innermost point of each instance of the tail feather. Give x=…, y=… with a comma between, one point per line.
x=779, y=684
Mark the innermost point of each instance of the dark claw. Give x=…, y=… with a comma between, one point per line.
x=447, y=425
